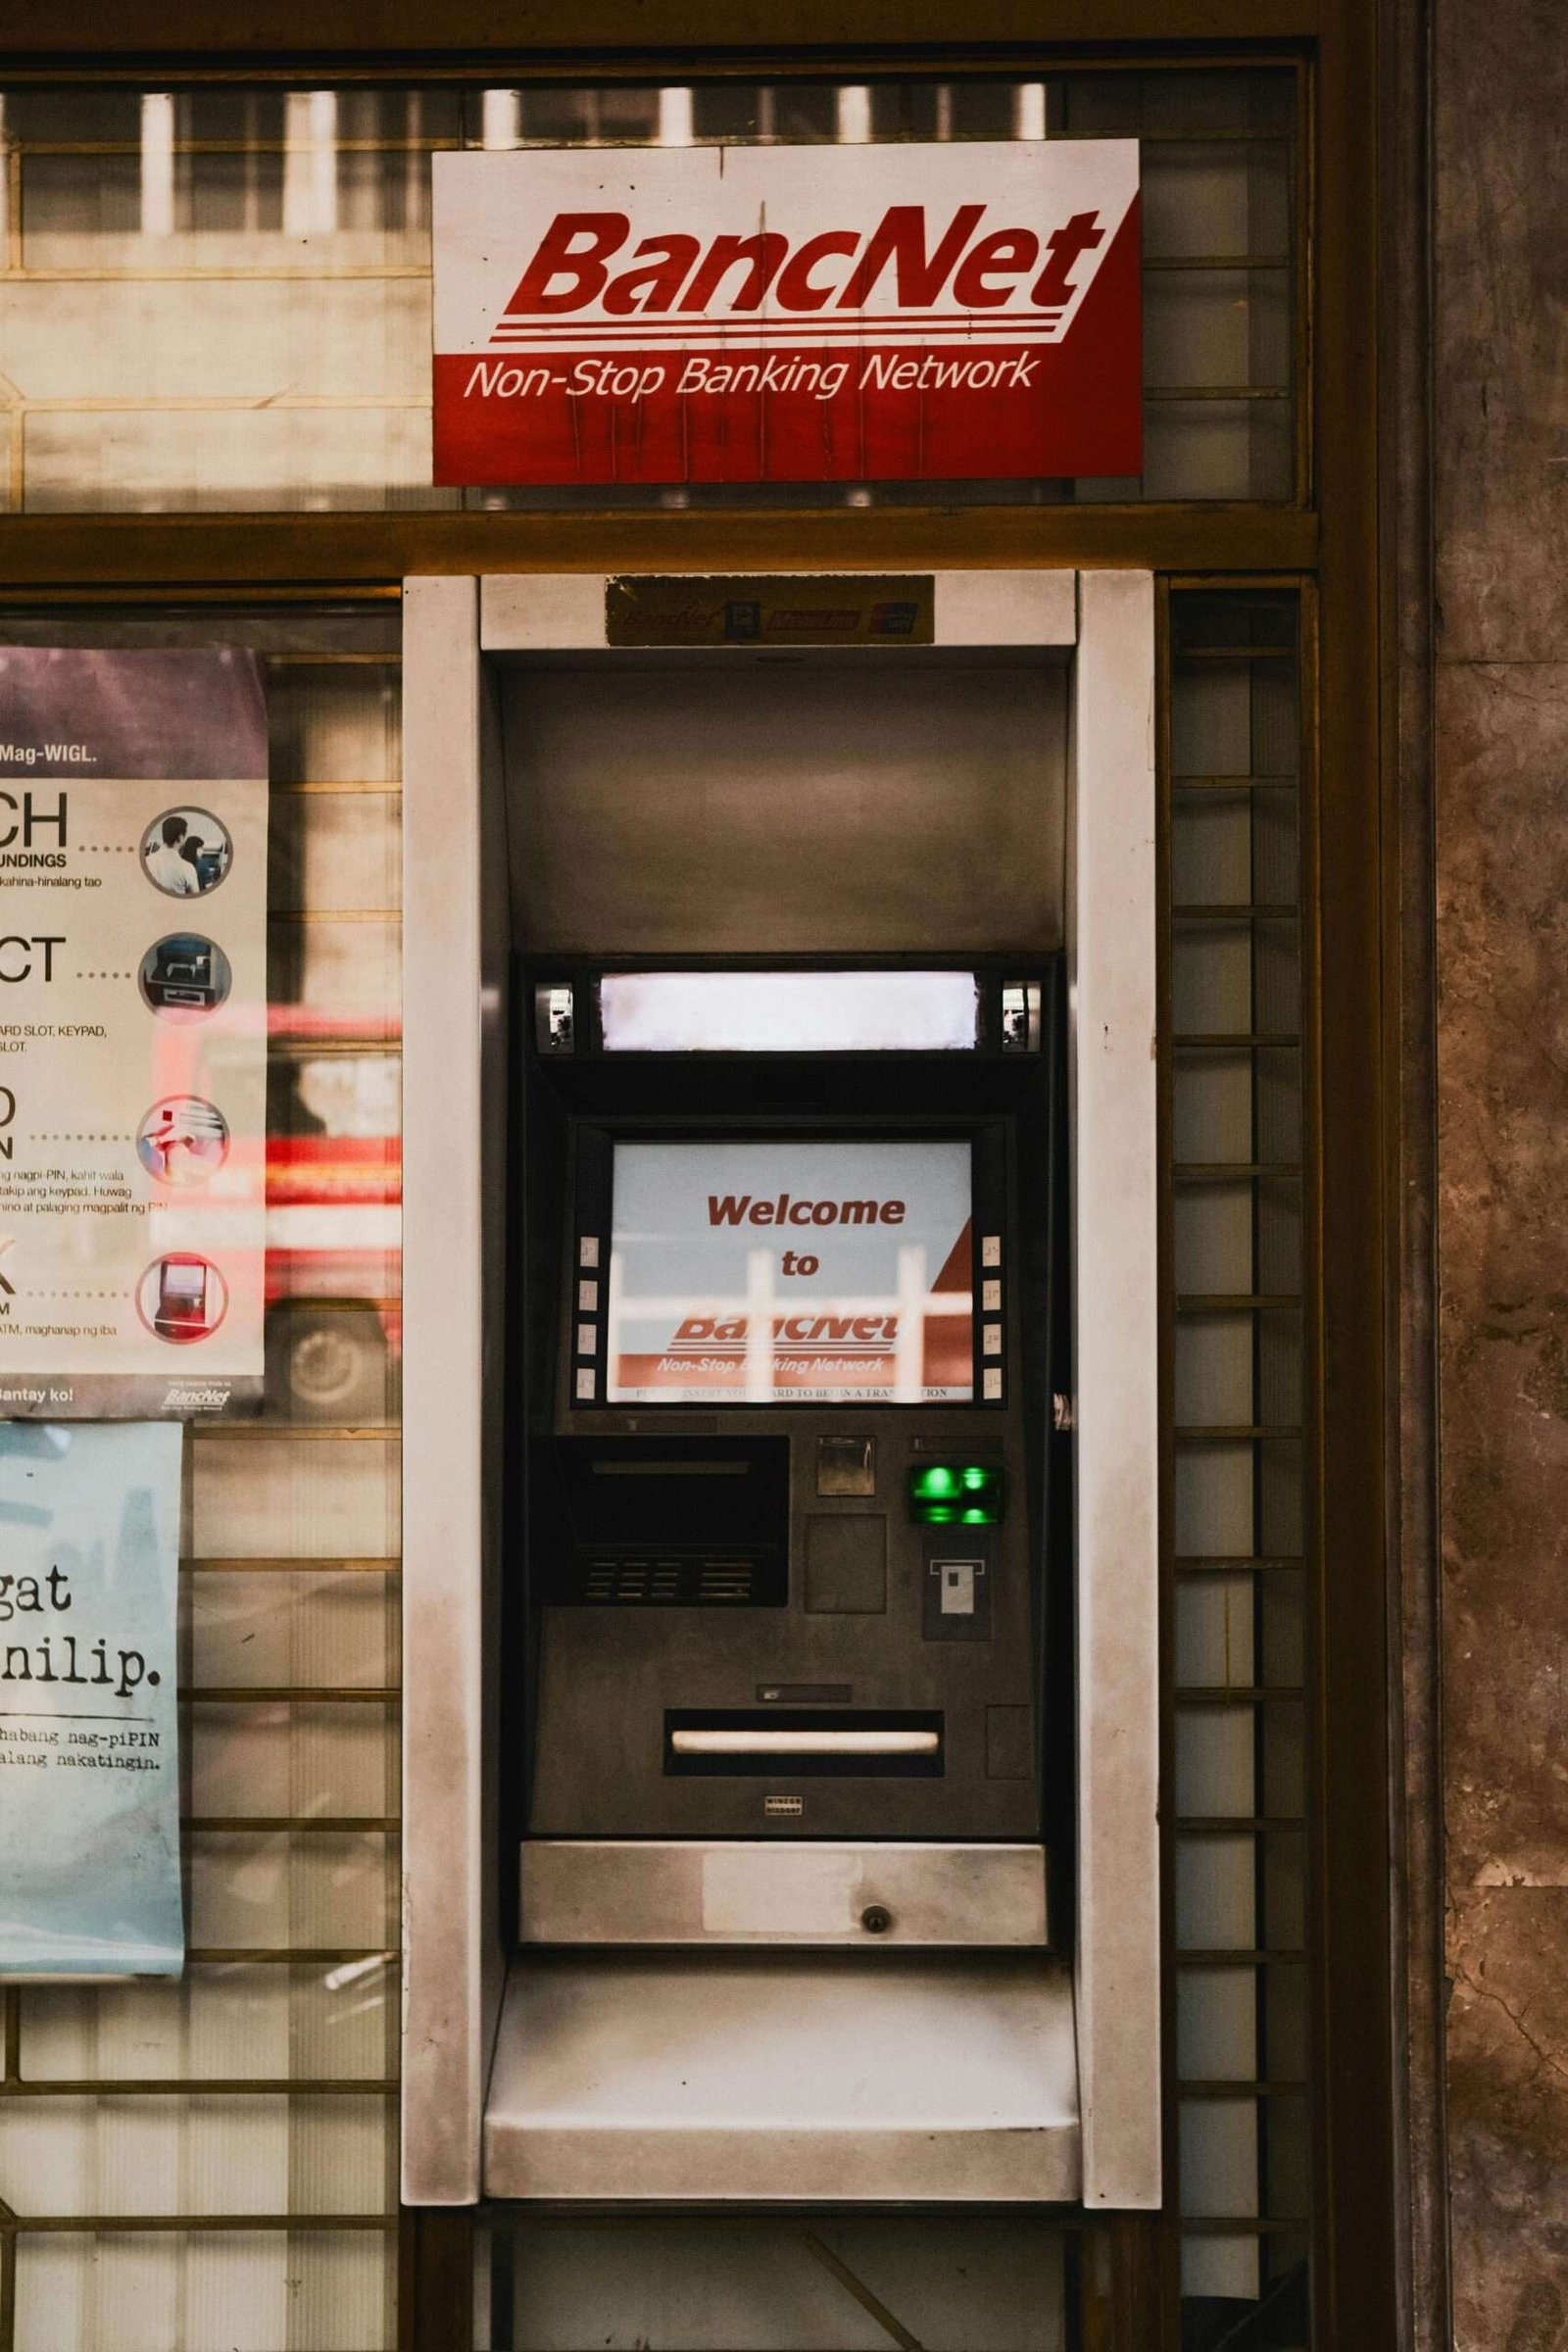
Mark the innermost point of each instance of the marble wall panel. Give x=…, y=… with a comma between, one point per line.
x=1500, y=383
x=1502, y=329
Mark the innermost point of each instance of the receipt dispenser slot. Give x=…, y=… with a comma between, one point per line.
x=800, y=1741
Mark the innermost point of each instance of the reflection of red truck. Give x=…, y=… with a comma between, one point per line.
x=334, y=1164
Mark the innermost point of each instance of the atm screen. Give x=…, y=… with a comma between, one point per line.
x=791, y=1273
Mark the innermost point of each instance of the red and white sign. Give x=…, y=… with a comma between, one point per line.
x=802, y=314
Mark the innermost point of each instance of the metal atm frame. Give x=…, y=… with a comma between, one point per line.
x=1105, y=2135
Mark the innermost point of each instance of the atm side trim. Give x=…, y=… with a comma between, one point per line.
x=444, y=2041
x=1112, y=915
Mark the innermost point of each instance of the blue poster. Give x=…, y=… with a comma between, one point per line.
x=89, y=1726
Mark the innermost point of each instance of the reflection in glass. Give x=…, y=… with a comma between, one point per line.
x=261, y=267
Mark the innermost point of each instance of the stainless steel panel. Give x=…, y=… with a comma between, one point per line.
x=1115, y=1195
x=745, y=2078
x=693, y=1891
x=663, y=806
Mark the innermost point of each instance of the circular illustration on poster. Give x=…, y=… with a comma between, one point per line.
x=186, y=852
x=183, y=1141
x=182, y=1297
x=184, y=976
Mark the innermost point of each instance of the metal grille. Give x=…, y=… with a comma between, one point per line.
x=1240, y=1462
x=657, y=1582
x=218, y=298
x=212, y=2162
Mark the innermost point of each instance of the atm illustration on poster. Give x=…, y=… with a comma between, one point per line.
x=182, y=1298
x=184, y=973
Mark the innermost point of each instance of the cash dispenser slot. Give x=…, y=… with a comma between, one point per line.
x=864, y=1741
x=686, y=1523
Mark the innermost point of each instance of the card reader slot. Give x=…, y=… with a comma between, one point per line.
x=787, y=1742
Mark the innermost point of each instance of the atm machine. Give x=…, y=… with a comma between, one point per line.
x=781, y=1364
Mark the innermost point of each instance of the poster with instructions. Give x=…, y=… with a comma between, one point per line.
x=132, y=1032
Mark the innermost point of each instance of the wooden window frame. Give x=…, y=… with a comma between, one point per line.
x=1331, y=541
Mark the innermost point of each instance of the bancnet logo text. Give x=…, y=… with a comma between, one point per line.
x=897, y=311
x=908, y=274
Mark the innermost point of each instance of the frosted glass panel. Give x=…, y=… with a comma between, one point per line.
x=222, y=2291
x=229, y=2019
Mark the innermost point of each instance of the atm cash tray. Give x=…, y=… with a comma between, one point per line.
x=787, y=2078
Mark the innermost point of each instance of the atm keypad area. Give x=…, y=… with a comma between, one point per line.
x=789, y=1537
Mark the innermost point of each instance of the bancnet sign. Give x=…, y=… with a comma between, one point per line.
x=804, y=314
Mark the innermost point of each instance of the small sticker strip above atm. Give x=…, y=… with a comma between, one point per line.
x=838, y=608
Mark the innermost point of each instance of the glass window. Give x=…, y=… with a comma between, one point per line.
x=188, y=2159
x=1234, y=1188
x=219, y=299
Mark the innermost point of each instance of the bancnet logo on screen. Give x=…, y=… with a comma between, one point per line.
x=788, y=314
x=800, y=1273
